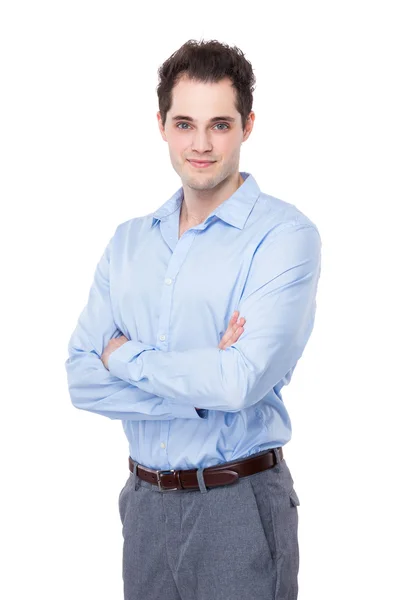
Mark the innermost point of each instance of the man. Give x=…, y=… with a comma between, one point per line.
x=161, y=347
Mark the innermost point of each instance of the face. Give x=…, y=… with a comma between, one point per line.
x=197, y=128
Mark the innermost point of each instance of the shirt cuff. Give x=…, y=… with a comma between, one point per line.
x=121, y=361
x=186, y=411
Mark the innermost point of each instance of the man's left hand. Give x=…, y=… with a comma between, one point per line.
x=112, y=345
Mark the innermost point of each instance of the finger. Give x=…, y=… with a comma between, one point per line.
x=233, y=338
x=228, y=331
x=236, y=335
x=232, y=330
x=236, y=327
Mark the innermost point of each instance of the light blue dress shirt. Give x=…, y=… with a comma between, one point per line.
x=173, y=299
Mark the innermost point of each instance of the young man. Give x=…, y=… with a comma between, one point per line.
x=160, y=347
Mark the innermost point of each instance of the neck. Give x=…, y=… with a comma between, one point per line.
x=198, y=204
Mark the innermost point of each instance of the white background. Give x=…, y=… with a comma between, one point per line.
x=81, y=152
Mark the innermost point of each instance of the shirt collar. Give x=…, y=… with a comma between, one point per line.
x=235, y=210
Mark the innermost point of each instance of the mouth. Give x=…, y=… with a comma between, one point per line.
x=201, y=164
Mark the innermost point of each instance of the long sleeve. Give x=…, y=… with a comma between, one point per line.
x=91, y=386
x=278, y=302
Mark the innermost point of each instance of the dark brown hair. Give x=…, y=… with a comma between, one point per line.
x=207, y=62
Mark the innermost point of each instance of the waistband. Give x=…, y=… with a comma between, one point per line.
x=222, y=474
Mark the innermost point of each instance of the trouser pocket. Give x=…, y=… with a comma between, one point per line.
x=122, y=499
x=277, y=507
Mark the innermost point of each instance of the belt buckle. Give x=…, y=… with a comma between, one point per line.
x=159, y=480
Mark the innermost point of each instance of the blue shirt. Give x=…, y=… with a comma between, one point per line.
x=173, y=299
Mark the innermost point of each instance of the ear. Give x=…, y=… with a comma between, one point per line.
x=249, y=125
x=160, y=126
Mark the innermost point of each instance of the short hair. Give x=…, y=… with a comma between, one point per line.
x=207, y=62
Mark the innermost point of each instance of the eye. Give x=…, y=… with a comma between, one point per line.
x=225, y=125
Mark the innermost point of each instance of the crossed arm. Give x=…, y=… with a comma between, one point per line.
x=91, y=386
x=278, y=303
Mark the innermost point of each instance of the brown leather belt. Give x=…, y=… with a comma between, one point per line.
x=223, y=474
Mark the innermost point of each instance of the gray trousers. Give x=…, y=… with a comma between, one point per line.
x=232, y=542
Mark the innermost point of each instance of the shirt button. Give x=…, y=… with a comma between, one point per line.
x=162, y=337
x=162, y=445
x=168, y=281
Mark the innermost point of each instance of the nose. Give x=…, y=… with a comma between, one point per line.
x=201, y=142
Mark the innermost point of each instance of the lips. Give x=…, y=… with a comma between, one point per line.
x=201, y=163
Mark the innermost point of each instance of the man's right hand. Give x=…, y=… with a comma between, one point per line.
x=233, y=332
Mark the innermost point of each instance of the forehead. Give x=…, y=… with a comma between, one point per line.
x=197, y=98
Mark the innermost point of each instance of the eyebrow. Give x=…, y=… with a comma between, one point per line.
x=213, y=120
